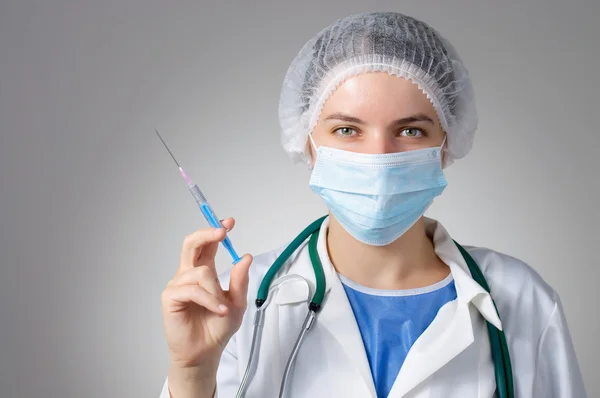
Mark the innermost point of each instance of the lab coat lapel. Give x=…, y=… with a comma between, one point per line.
x=338, y=319
x=336, y=316
x=451, y=332
x=446, y=337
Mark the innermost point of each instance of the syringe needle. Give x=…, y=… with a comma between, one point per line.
x=165, y=144
x=186, y=178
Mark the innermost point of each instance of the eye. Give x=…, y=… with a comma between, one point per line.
x=345, y=131
x=412, y=132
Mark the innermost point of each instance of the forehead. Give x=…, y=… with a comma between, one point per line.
x=378, y=95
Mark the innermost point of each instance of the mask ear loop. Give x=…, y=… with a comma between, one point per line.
x=312, y=142
x=443, y=150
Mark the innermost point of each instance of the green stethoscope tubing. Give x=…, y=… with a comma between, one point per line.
x=500, y=355
x=313, y=231
x=498, y=344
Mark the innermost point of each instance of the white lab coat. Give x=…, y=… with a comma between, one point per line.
x=451, y=359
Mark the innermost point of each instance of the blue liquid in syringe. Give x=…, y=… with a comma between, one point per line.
x=215, y=223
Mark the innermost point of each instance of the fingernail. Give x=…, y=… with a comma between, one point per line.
x=222, y=307
x=226, y=229
x=218, y=231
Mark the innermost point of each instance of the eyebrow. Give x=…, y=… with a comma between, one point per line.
x=419, y=117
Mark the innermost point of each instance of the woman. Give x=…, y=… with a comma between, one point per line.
x=377, y=104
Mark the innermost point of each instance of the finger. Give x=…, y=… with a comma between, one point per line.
x=209, y=251
x=178, y=297
x=238, y=281
x=194, y=243
x=228, y=223
x=202, y=276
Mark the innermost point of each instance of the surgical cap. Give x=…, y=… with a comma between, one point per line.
x=379, y=41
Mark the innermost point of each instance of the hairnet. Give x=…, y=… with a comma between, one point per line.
x=379, y=41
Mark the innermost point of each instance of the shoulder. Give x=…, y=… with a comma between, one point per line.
x=535, y=325
x=519, y=291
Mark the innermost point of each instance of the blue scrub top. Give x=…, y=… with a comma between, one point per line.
x=390, y=321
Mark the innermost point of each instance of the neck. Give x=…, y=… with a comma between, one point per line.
x=407, y=263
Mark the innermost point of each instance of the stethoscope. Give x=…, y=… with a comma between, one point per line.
x=499, y=347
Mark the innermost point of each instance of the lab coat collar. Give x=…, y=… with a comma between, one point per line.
x=467, y=289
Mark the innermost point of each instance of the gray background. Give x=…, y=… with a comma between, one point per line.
x=93, y=211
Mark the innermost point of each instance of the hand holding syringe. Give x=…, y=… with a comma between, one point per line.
x=200, y=199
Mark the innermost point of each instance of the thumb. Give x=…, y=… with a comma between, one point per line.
x=238, y=282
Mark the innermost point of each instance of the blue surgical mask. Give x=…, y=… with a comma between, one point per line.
x=378, y=197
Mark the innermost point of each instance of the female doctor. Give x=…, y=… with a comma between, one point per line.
x=377, y=104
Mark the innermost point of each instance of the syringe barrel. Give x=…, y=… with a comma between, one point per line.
x=213, y=220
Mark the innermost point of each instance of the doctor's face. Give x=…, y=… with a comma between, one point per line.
x=377, y=113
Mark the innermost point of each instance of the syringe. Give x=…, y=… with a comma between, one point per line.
x=200, y=199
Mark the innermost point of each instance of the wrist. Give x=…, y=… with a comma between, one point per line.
x=192, y=382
